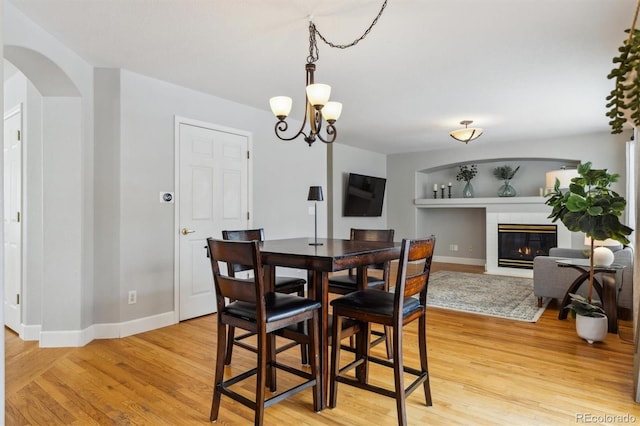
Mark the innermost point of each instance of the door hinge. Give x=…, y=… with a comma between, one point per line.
x=248, y=155
x=18, y=299
x=18, y=217
x=247, y=215
x=18, y=134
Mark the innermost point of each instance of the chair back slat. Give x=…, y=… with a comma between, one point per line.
x=236, y=252
x=383, y=235
x=237, y=289
x=242, y=235
x=409, y=283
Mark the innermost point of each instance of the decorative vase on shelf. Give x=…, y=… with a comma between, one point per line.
x=506, y=190
x=467, y=192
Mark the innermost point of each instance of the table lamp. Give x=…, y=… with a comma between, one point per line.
x=602, y=256
x=315, y=194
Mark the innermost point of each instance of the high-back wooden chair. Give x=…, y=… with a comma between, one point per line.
x=265, y=314
x=283, y=284
x=407, y=303
x=345, y=284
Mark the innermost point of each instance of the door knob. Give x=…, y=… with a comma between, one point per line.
x=186, y=231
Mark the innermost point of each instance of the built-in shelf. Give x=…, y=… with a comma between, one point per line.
x=474, y=202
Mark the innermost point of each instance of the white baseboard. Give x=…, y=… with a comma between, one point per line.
x=147, y=324
x=76, y=338
x=459, y=260
x=31, y=332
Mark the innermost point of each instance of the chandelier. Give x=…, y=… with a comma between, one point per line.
x=317, y=104
x=467, y=134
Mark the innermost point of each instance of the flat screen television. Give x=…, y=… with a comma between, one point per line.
x=364, y=195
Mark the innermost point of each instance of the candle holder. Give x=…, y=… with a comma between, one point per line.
x=442, y=191
x=449, y=192
x=435, y=194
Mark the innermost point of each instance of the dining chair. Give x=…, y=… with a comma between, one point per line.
x=405, y=304
x=283, y=284
x=243, y=303
x=345, y=284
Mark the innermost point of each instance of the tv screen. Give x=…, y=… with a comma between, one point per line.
x=364, y=195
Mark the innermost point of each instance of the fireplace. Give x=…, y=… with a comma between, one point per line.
x=519, y=244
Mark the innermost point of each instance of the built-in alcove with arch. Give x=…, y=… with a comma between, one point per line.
x=527, y=181
x=466, y=228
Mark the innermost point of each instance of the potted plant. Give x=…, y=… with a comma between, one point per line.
x=592, y=207
x=506, y=173
x=466, y=173
x=591, y=319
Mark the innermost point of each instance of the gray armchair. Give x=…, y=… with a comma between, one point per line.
x=549, y=280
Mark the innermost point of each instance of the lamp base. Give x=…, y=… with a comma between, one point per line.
x=316, y=244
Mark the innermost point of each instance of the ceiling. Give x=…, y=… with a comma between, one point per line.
x=521, y=69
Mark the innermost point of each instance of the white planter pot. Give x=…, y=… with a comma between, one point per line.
x=592, y=329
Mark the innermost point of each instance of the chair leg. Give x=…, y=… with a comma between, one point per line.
x=271, y=359
x=304, y=349
x=219, y=375
x=363, y=347
x=398, y=376
x=314, y=361
x=261, y=377
x=422, y=343
x=335, y=360
x=388, y=343
x=230, y=341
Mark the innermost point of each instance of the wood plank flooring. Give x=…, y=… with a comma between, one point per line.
x=484, y=371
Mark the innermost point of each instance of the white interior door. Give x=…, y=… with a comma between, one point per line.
x=12, y=219
x=212, y=196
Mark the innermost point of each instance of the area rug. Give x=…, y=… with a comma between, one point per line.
x=492, y=295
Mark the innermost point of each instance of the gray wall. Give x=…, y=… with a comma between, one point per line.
x=118, y=201
x=344, y=159
x=407, y=180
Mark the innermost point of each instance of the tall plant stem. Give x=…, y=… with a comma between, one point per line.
x=633, y=23
x=591, y=272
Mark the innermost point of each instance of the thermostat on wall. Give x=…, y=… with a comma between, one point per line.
x=166, y=197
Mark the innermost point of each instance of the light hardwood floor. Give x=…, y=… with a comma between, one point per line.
x=484, y=371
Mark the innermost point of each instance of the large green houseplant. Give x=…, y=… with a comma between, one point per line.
x=624, y=100
x=592, y=207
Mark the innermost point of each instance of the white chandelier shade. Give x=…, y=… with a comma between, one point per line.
x=467, y=134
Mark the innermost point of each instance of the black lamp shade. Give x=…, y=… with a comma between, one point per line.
x=315, y=193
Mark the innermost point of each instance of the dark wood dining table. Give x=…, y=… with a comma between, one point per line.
x=319, y=260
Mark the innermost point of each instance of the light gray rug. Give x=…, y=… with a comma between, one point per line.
x=493, y=295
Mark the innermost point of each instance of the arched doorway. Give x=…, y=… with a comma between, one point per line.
x=52, y=142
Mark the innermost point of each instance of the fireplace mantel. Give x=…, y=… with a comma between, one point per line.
x=476, y=202
x=502, y=210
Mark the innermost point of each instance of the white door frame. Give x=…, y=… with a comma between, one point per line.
x=178, y=120
x=19, y=110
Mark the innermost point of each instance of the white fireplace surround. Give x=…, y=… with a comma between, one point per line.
x=516, y=210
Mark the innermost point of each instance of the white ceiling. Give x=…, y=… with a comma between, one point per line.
x=521, y=69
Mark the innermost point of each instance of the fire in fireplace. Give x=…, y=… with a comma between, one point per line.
x=519, y=244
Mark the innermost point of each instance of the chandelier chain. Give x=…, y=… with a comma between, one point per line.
x=314, y=53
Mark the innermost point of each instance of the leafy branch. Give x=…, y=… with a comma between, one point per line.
x=625, y=96
x=505, y=172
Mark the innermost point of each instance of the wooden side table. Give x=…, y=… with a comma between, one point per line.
x=606, y=290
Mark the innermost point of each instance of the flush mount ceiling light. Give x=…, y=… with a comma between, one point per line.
x=467, y=134
x=316, y=97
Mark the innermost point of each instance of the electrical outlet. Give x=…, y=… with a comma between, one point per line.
x=453, y=247
x=133, y=297
x=311, y=210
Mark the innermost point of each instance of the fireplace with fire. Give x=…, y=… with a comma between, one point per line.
x=519, y=244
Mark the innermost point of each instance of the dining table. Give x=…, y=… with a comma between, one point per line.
x=320, y=258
